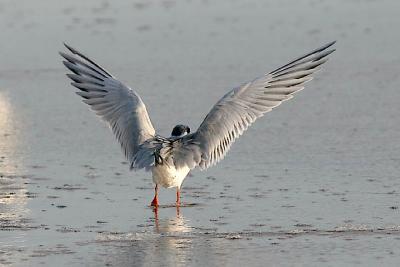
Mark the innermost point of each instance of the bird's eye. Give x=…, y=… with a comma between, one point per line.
x=188, y=130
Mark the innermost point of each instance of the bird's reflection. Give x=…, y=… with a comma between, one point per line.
x=175, y=225
x=167, y=242
x=174, y=245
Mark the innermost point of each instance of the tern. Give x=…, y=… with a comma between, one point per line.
x=170, y=159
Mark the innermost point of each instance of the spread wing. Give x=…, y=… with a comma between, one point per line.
x=240, y=107
x=118, y=105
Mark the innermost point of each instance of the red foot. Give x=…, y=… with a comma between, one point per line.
x=154, y=203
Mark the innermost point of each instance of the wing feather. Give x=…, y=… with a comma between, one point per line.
x=118, y=105
x=240, y=108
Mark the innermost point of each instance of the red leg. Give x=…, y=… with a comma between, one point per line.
x=178, y=197
x=154, y=203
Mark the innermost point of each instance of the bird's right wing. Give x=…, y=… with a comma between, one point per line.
x=240, y=107
x=120, y=106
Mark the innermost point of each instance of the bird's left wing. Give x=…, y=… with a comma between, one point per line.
x=240, y=107
x=118, y=105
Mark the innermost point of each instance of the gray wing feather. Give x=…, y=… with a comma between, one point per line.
x=240, y=107
x=118, y=105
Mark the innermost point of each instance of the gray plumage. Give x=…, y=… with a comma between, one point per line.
x=114, y=102
x=127, y=116
x=240, y=107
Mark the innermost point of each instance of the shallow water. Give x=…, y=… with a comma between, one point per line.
x=314, y=182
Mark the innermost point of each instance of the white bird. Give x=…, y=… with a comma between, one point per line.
x=171, y=158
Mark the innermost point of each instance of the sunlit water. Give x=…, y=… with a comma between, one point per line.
x=314, y=182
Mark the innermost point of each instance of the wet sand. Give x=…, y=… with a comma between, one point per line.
x=314, y=182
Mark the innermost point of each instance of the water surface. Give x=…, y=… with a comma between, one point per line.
x=314, y=182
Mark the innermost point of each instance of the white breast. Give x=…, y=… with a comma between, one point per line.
x=168, y=176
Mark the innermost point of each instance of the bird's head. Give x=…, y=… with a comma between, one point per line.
x=180, y=130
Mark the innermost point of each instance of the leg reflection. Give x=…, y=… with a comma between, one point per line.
x=173, y=225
